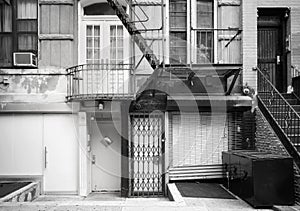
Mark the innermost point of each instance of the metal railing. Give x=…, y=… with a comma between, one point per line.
x=286, y=117
x=93, y=81
x=218, y=46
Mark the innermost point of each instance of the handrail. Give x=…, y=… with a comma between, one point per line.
x=134, y=3
x=284, y=119
x=131, y=7
x=274, y=88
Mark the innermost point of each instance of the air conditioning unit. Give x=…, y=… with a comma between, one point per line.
x=25, y=59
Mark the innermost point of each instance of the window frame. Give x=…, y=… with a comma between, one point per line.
x=15, y=32
x=178, y=30
x=205, y=30
x=191, y=35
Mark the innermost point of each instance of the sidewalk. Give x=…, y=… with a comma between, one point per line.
x=61, y=203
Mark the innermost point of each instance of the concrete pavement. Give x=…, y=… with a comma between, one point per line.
x=63, y=203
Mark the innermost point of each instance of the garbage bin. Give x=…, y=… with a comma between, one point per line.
x=262, y=179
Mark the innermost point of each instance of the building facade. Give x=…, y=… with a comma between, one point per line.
x=128, y=96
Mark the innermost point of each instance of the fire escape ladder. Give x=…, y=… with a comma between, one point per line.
x=135, y=32
x=282, y=112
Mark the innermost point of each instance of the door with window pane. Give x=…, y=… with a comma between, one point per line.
x=104, y=52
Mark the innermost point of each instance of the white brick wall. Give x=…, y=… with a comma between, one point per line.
x=249, y=20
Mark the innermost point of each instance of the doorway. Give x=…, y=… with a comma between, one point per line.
x=60, y=154
x=147, y=149
x=105, y=49
x=272, y=56
x=106, y=155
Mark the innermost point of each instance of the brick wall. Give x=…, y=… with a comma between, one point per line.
x=294, y=5
x=267, y=141
x=249, y=21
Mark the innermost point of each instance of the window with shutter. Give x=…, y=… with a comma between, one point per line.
x=18, y=29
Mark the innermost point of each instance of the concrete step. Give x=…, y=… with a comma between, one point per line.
x=281, y=108
x=288, y=96
x=293, y=101
x=292, y=129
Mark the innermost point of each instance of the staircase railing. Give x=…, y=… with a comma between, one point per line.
x=283, y=118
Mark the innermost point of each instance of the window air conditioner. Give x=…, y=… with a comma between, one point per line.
x=25, y=59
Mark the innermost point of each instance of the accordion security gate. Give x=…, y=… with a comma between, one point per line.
x=147, y=155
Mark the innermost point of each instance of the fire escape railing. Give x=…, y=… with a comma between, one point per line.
x=136, y=28
x=93, y=81
x=130, y=25
x=283, y=118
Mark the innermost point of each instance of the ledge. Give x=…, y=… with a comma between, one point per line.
x=62, y=108
x=56, y=2
x=56, y=37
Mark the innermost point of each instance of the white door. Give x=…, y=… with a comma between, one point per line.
x=106, y=157
x=104, y=45
x=61, y=154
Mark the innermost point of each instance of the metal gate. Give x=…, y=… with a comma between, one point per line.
x=147, y=155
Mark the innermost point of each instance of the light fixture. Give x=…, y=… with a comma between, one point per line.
x=106, y=141
x=101, y=106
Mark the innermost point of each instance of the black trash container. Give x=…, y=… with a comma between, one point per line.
x=261, y=179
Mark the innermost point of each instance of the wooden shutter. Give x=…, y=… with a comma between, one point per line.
x=57, y=20
x=229, y=16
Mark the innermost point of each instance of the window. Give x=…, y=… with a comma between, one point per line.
x=204, y=31
x=93, y=47
x=178, y=31
x=18, y=28
x=116, y=44
x=99, y=9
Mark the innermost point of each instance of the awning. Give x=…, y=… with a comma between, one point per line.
x=209, y=103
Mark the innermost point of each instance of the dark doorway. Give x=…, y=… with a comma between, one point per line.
x=271, y=35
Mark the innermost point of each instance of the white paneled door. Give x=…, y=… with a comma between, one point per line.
x=104, y=47
x=60, y=154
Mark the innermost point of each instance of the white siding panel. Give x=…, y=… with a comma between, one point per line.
x=21, y=144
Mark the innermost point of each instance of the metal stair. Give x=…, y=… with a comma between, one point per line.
x=135, y=32
x=283, y=113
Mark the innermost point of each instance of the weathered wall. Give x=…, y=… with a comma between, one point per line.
x=267, y=141
x=57, y=50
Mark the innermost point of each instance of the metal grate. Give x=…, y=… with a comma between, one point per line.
x=147, y=150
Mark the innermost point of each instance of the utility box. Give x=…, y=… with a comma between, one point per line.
x=261, y=179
